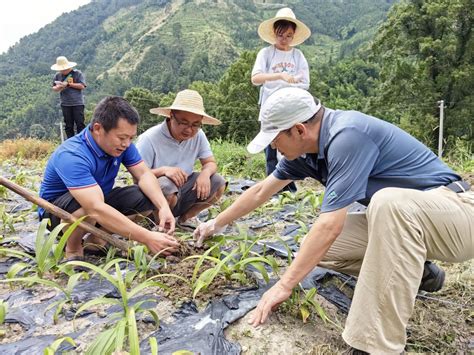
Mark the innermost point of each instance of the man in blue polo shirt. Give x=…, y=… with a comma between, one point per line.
x=418, y=209
x=80, y=176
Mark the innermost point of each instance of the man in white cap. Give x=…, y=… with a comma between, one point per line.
x=418, y=209
x=171, y=149
x=70, y=84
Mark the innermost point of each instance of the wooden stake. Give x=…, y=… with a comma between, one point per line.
x=63, y=215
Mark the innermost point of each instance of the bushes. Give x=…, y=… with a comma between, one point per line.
x=234, y=160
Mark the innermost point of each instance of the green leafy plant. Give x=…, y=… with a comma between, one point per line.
x=232, y=265
x=48, y=254
x=53, y=348
x=3, y=314
x=67, y=291
x=125, y=329
x=7, y=219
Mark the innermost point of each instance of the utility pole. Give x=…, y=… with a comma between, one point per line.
x=61, y=130
x=441, y=122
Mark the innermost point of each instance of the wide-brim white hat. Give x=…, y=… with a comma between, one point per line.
x=266, y=32
x=189, y=101
x=62, y=64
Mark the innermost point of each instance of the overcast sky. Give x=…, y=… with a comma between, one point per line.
x=19, y=18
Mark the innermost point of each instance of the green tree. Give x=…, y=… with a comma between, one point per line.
x=426, y=51
x=143, y=100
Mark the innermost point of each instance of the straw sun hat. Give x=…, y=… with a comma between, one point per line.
x=62, y=64
x=265, y=30
x=189, y=101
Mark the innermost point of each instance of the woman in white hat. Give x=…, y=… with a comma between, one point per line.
x=280, y=65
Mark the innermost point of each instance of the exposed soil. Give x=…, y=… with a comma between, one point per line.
x=181, y=291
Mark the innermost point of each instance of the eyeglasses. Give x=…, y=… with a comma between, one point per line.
x=183, y=124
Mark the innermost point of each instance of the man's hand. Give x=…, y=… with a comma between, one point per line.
x=177, y=175
x=205, y=230
x=202, y=186
x=268, y=303
x=167, y=220
x=160, y=241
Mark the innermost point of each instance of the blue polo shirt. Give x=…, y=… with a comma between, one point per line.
x=359, y=155
x=80, y=163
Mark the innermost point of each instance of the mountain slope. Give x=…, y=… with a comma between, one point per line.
x=162, y=45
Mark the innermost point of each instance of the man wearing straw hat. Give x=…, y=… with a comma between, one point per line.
x=171, y=149
x=418, y=209
x=280, y=65
x=70, y=84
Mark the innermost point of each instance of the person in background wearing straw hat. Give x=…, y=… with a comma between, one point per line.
x=171, y=149
x=280, y=65
x=70, y=84
x=418, y=208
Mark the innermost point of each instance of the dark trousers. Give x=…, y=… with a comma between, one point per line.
x=272, y=161
x=73, y=115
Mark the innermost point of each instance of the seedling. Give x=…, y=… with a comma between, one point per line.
x=125, y=329
x=53, y=348
x=48, y=254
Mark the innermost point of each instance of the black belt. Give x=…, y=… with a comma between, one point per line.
x=459, y=186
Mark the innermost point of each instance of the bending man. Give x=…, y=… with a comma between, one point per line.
x=418, y=209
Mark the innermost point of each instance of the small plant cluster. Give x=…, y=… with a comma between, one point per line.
x=233, y=264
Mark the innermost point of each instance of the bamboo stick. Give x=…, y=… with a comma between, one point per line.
x=63, y=215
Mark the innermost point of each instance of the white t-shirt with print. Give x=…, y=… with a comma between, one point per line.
x=272, y=60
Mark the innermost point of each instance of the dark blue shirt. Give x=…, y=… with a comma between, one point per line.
x=70, y=96
x=359, y=155
x=80, y=163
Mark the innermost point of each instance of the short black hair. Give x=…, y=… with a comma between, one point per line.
x=111, y=109
x=281, y=26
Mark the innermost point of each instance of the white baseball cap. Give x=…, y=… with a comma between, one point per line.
x=282, y=110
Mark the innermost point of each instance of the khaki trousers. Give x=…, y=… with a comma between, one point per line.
x=386, y=247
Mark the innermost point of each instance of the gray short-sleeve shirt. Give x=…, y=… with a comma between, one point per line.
x=158, y=148
x=359, y=155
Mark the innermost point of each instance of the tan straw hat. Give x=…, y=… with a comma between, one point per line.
x=62, y=64
x=265, y=30
x=189, y=101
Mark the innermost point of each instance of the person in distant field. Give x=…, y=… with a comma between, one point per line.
x=280, y=65
x=172, y=148
x=80, y=176
x=418, y=209
x=70, y=84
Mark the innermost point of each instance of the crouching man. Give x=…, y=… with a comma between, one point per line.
x=171, y=149
x=80, y=176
